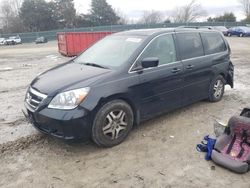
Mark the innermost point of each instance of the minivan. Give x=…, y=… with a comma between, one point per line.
x=126, y=78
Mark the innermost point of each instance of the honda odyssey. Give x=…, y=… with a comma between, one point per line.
x=126, y=78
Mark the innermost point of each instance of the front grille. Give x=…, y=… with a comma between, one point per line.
x=34, y=98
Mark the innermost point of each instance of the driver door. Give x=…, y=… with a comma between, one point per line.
x=160, y=87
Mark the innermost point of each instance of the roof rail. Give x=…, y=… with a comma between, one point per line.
x=195, y=27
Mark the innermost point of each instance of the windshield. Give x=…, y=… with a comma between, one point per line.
x=246, y=29
x=111, y=52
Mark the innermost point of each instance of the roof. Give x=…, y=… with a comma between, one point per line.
x=146, y=32
x=149, y=32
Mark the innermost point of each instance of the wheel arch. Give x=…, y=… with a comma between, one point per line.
x=223, y=75
x=229, y=75
x=125, y=98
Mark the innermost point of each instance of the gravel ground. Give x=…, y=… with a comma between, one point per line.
x=158, y=153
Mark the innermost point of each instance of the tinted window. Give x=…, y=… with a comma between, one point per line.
x=162, y=47
x=213, y=43
x=190, y=45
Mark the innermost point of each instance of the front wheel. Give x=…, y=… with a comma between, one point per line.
x=112, y=123
x=216, y=89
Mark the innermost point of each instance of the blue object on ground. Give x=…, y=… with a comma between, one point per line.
x=208, y=147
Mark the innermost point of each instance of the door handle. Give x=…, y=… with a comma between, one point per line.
x=175, y=70
x=190, y=67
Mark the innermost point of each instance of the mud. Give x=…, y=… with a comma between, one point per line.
x=158, y=153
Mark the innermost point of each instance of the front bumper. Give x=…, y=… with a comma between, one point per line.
x=68, y=125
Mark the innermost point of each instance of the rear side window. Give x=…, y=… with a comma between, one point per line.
x=213, y=43
x=190, y=45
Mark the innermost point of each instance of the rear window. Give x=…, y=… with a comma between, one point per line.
x=213, y=43
x=190, y=45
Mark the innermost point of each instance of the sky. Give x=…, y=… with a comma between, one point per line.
x=133, y=9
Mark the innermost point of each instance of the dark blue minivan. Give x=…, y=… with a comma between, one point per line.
x=126, y=78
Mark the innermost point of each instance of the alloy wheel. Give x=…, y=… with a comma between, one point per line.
x=218, y=89
x=115, y=123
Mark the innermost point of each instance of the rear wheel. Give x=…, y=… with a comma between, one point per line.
x=229, y=34
x=112, y=123
x=216, y=89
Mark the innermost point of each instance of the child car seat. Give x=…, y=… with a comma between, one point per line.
x=232, y=149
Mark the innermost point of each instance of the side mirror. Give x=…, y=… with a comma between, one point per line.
x=150, y=62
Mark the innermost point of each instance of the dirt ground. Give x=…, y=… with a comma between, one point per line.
x=158, y=153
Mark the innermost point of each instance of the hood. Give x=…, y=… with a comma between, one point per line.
x=66, y=75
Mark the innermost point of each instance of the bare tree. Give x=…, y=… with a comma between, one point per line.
x=245, y=6
x=7, y=13
x=9, y=17
x=16, y=5
x=189, y=12
x=123, y=17
x=151, y=17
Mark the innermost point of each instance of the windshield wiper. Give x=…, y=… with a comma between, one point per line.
x=96, y=65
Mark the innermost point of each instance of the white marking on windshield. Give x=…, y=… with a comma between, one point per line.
x=136, y=40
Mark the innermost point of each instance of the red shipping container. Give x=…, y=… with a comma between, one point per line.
x=72, y=43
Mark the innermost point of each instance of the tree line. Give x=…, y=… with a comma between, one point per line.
x=40, y=15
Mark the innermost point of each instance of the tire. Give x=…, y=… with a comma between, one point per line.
x=229, y=35
x=241, y=35
x=112, y=123
x=217, y=83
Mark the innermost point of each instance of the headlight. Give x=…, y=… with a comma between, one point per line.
x=69, y=100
